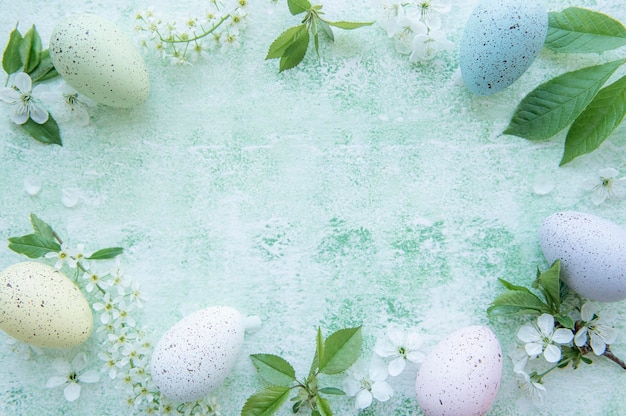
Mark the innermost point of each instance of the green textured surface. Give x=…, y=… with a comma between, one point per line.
x=359, y=189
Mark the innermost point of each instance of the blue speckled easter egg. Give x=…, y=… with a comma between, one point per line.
x=500, y=42
x=98, y=60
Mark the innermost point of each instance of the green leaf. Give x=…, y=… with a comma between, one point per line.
x=30, y=50
x=349, y=25
x=332, y=390
x=298, y=6
x=265, y=402
x=511, y=286
x=274, y=369
x=33, y=245
x=323, y=406
x=596, y=123
x=517, y=302
x=555, y=104
x=45, y=70
x=549, y=284
x=341, y=350
x=11, y=59
x=280, y=44
x=47, y=133
x=565, y=321
x=578, y=30
x=327, y=29
x=106, y=253
x=42, y=228
x=294, y=54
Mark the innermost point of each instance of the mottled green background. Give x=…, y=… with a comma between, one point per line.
x=358, y=189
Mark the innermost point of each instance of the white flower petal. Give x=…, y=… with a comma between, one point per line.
x=545, y=323
x=61, y=366
x=384, y=349
x=382, y=391
x=23, y=82
x=598, y=197
x=9, y=95
x=552, y=353
x=38, y=113
x=581, y=337
x=363, y=399
x=562, y=336
x=587, y=311
x=397, y=366
x=533, y=349
x=396, y=335
x=90, y=376
x=79, y=362
x=71, y=392
x=597, y=345
x=20, y=114
x=378, y=370
x=351, y=386
x=528, y=333
x=608, y=173
x=56, y=381
x=415, y=356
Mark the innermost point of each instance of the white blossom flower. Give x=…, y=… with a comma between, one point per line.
x=68, y=105
x=366, y=384
x=21, y=96
x=426, y=46
x=407, y=28
x=431, y=10
x=112, y=362
x=389, y=19
x=70, y=375
x=595, y=329
x=121, y=313
x=106, y=308
x=63, y=256
x=605, y=186
x=543, y=338
x=400, y=346
x=535, y=389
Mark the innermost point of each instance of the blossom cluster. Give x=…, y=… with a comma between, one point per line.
x=124, y=347
x=416, y=27
x=188, y=39
x=29, y=102
x=605, y=186
x=555, y=346
x=368, y=382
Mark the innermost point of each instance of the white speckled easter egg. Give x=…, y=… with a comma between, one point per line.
x=198, y=353
x=501, y=40
x=461, y=375
x=41, y=306
x=98, y=60
x=592, y=252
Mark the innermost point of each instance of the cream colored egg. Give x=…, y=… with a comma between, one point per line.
x=41, y=306
x=98, y=60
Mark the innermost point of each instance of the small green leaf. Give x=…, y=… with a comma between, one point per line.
x=349, y=25
x=30, y=50
x=577, y=30
x=47, y=133
x=565, y=321
x=42, y=228
x=298, y=6
x=323, y=406
x=341, y=350
x=11, y=59
x=511, y=286
x=332, y=390
x=596, y=123
x=280, y=44
x=327, y=29
x=549, y=284
x=265, y=402
x=517, y=302
x=274, y=369
x=555, y=104
x=33, y=245
x=586, y=360
x=294, y=54
x=45, y=70
x=106, y=253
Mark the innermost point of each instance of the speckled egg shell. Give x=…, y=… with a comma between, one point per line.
x=461, y=375
x=500, y=42
x=41, y=306
x=198, y=353
x=98, y=60
x=592, y=252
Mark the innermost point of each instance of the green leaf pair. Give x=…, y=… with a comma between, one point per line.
x=576, y=98
x=520, y=300
x=25, y=53
x=333, y=355
x=292, y=44
x=44, y=240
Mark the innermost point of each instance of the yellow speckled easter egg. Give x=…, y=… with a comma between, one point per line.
x=41, y=306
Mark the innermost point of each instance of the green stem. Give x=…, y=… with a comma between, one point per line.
x=558, y=365
x=195, y=38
